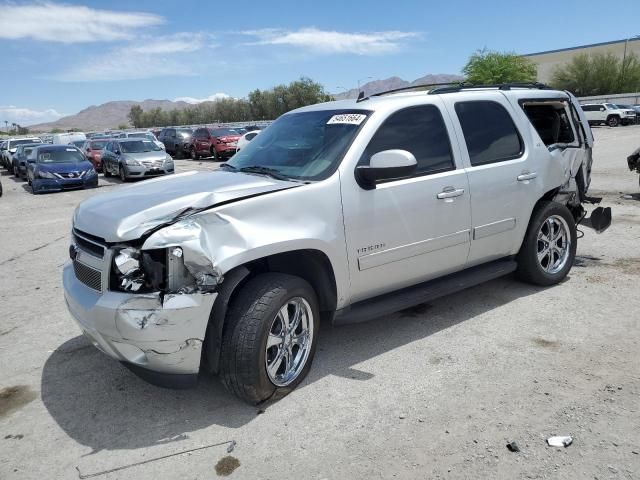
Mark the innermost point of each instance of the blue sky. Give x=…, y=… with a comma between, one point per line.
x=59, y=58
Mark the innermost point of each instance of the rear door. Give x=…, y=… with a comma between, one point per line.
x=503, y=174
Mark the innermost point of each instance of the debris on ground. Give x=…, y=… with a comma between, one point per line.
x=560, y=441
x=227, y=465
x=513, y=447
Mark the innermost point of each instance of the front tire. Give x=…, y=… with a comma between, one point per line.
x=549, y=247
x=194, y=154
x=270, y=337
x=122, y=173
x=613, y=121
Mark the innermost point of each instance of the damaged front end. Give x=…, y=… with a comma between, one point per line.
x=633, y=161
x=148, y=307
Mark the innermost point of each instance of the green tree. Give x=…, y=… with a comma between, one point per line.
x=135, y=116
x=598, y=74
x=491, y=67
x=123, y=126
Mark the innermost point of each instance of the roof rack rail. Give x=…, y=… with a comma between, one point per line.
x=450, y=87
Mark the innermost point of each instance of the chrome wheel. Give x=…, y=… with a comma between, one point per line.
x=289, y=342
x=554, y=242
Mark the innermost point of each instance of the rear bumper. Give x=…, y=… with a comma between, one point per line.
x=56, y=185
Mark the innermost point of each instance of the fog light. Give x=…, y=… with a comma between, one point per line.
x=126, y=261
x=177, y=252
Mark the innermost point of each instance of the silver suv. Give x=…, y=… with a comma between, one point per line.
x=338, y=212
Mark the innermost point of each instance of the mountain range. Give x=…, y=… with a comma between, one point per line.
x=111, y=114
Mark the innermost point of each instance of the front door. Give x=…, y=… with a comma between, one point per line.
x=408, y=230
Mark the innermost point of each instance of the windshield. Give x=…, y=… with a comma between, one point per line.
x=139, y=146
x=146, y=135
x=306, y=146
x=98, y=145
x=611, y=106
x=184, y=132
x=15, y=143
x=78, y=143
x=224, y=132
x=67, y=155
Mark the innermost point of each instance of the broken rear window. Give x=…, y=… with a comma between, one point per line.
x=551, y=121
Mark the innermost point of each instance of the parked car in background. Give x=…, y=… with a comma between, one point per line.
x=67, y=138
x=219, y=143
x=608, y=114
x=20, y=159
x=12, y=145
x=635, y=108
x=3, y=149
x=143, y=134
x=177, y=141
x=244, y=140
x=135, y=158
x=92, y=150
x=59, y=167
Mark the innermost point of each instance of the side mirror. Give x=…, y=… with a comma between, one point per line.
x=385, y=165
x=116, y=151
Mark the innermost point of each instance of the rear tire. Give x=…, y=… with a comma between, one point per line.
x=261, y=358
x=549, y=246
x=105, y=170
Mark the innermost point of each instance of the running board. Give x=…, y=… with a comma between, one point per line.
x=423, y=292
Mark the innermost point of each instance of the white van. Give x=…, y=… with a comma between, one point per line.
x=67, y=138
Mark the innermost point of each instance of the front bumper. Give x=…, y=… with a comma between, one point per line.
x=140, y=171
x=56, y=185
x=225, y=151
x=154, y=334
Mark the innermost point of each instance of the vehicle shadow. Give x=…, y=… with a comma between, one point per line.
x=101, y=404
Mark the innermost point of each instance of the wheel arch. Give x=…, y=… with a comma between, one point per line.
x=311, y=265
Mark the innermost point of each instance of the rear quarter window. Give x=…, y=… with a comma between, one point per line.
x=489, y=132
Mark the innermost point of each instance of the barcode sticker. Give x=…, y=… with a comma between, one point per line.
x=348, y=118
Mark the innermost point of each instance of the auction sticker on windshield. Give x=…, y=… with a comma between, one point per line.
x=349, y=118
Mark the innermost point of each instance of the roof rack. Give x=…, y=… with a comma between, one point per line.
x=451, y=87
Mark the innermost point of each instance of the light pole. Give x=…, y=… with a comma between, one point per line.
x=6, y=125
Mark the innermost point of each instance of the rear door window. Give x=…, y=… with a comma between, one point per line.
x=489, y=132
x=419, y=130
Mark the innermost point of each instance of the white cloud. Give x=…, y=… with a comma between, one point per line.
x=182, y=42
x=26, y=116
x=322, y=41
x=145, y=57
x=210, y=98
x=57, y=22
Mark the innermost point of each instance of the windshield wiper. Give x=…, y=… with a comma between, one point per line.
x=226, y=165
x=272, y=172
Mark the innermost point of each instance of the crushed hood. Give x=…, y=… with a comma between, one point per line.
x=126, y=213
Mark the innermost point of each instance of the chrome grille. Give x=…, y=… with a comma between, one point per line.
x=91, y=277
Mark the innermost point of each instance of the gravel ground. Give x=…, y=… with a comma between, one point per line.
x=434, y=392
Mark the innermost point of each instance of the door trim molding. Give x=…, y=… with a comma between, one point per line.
x=415, y=249
x=494, y=228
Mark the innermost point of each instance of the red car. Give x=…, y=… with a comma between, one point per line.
x=92, y=150
x=219, y=143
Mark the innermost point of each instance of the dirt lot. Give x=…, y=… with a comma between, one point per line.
x=435, y=392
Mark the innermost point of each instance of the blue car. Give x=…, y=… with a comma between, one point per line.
x=59, y=167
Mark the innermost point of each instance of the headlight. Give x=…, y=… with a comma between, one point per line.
x=90, y=173
x=168, y=159
x=45, y=174
x=131, y=161
x=133, y=270
x=126, y=264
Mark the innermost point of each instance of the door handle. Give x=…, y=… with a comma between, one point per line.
x=527, y=176
x=450, y=192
